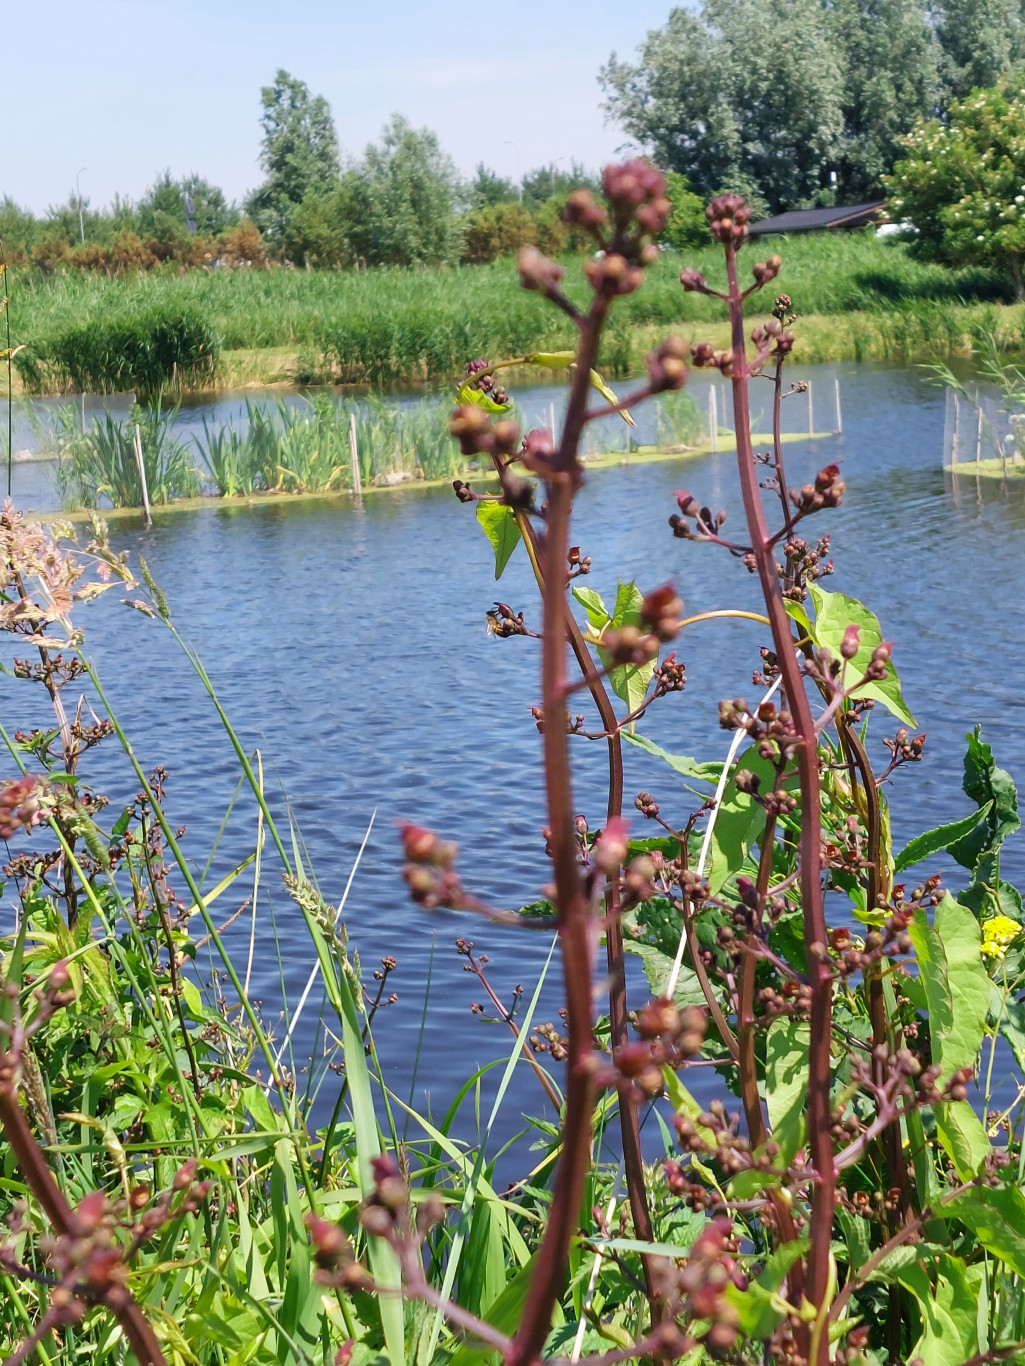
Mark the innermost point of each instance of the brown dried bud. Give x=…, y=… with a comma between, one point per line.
x=583, y=210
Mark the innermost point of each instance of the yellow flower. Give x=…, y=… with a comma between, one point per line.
x=997, y=936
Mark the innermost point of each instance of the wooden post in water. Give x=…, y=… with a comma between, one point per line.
x=839, y=418
x=713, y=417
x=957, y=423
x=357, y=483
x=978, y=440
x=551, y=419
x=142, y=475
x=811, y=413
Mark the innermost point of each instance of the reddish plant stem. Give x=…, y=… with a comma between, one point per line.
x=820, y=1145
x=35, y=1169
x=576, y=928
x=629, y=1123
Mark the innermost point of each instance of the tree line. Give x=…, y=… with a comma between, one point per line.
x=775, y=98
x=402, y=203
x=791, y=102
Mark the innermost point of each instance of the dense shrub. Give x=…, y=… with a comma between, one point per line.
x=148, y=353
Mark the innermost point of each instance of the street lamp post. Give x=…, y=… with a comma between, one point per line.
x=78, y=196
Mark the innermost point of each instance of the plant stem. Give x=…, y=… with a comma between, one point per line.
x=576, y=926
x=820, y=1144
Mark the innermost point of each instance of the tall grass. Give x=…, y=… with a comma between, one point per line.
x=390, y=325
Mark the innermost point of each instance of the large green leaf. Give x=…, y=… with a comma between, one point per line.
x=628, y=681
x=957, y=986
x=934, y=841
x=739, y=819
x=834, y=612
x=658, y=968
x=993, y=789
x=957, y=992
x=502, y=530
x=680, y=763
x=948, y=1311
x=786, y=1082
x=997, y=1218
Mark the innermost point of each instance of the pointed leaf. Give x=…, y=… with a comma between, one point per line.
x=834, y=612
x=467, y=394
x=934, y=841
x=598, y=383
x=499, y=525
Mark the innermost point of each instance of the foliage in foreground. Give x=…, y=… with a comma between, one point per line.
x=842, y=1203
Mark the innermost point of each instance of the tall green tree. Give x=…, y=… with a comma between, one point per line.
x=982, y=40
x=399, y=203
x=162, y=211
x=738, y=94
x=890, y=57
x=299, y=153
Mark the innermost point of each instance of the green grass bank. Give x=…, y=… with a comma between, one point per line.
x=858, y=297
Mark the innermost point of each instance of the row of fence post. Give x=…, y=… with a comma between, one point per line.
x=713, y=412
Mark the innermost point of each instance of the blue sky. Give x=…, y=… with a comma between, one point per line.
x=128, y=87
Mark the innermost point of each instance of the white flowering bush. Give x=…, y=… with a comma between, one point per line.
x=962, y=185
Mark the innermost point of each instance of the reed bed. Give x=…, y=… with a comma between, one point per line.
x=406, y=325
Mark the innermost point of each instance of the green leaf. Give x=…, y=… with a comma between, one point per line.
x=934, y=841
x=499, y=525
x=997, y=1218
x=834, y=612
x=657, y=968
x=680, y=763
x=468, y=394
x=740, y=820
x=760, y=1309
x=594, y=605
x=786, y=1072
x=949, y=1314
x=963, y=1136
x=598, y=383
x=628, y=681
x=991, y=788
x=957, y=986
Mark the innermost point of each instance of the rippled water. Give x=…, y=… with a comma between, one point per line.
x=348, y=645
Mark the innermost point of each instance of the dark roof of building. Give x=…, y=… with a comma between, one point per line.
x=807, y=220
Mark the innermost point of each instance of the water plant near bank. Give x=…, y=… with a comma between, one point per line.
x=853, y=1196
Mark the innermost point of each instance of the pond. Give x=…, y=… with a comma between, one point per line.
x=349, y=646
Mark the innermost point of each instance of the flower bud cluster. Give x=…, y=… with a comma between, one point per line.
x=636, y=193
x=767, y=270
x=504, y=622
x=478, y=435
x=826, y=492
x=629, y=645
x=669, y=1037
x=728, y=217
x=704, y=355
x=905, y=750
x=20, y=806
x=487, y=384
x=670, y=675
x=660, y=612
x=538, y=272
x=582, y=210
x=707, y=523
x=578, y=564
x=667, y=368
x=428, y=871
x=773, y=731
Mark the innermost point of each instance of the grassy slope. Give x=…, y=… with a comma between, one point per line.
x=405, y=325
